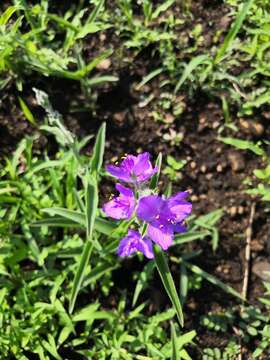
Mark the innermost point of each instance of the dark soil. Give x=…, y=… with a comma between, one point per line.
x=214, y=175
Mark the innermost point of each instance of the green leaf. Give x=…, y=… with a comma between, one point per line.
x=100, y=80
x=27, y=113
x=98, y=272
x=149, y=77
x=167, y=280
x=213, y=280
x=50, y=346
x=83, y=262
x=72, y=215
x=161, y=8
x=85, y=313
x=155, y=177
x=144, y=277
x=4, y=18
x=98, y=152
x=243, y=145
x=175, y=352
x=91, y=201
x=189, y=236
x=183, y=283
x=190, y=67
x=101, y=225
x=233, y=31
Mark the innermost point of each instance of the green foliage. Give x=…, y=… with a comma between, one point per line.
x=29, y=42
x=172, y=170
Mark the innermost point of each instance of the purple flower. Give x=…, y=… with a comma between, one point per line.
x=132, y=243
x=164, y=216
x=122, y=206
x=133, y=169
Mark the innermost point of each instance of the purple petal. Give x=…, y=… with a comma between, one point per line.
x=128, y=245
x=132, y=243
x=143, y=168
x=121, y=207
x=118, y=172
x=127, y=192
x=179, y=206
x=146, y=247
x=161, y=236
x=180, y=196
x=180, y=228
x=149, y=207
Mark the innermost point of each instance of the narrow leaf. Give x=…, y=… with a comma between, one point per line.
x=213, y=280
x=190, y=67
x=233, y=31
x=91, y=195
x=154, y=180
x=167, y=280
x=175, y=352
x=98, y=152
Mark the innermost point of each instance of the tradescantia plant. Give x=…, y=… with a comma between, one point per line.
x=155, y=218
x=148, y=221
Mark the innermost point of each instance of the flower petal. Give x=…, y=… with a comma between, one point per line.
x=127, y=192
x=128, y=245
x=149, y=207
x=163, y=237
x=146, y=247
x=179, y=206
x=143, y=168
x=121, y=207
x=180, y=228
x=118, y=172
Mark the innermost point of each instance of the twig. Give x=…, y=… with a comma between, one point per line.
x=248, y=252
x=237, y=333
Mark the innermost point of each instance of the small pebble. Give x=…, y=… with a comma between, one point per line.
x=240, y=210
x=251, y=127
x=237, y=161
x=194, y=198
x=232, y=210
x=104, y=64
x=193, y=165
x=219, y=168
x=203, y=169
x=262, y=270
x=256, y=246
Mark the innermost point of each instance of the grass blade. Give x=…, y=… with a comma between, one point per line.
x=233, y=31
x=91, y=201
x=154, y=180
x=98, y=152
x=84, y=259
x=144, y=277
x=91, y=194
x=167, y=280
x=195, y=62
x=213, y=280
x=149, y=77
x=175, y=352
x=72, y=215
x=243, y=145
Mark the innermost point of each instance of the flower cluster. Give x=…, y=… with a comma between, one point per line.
x=163, y=216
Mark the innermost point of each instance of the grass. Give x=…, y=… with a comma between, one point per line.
x=60, y=293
